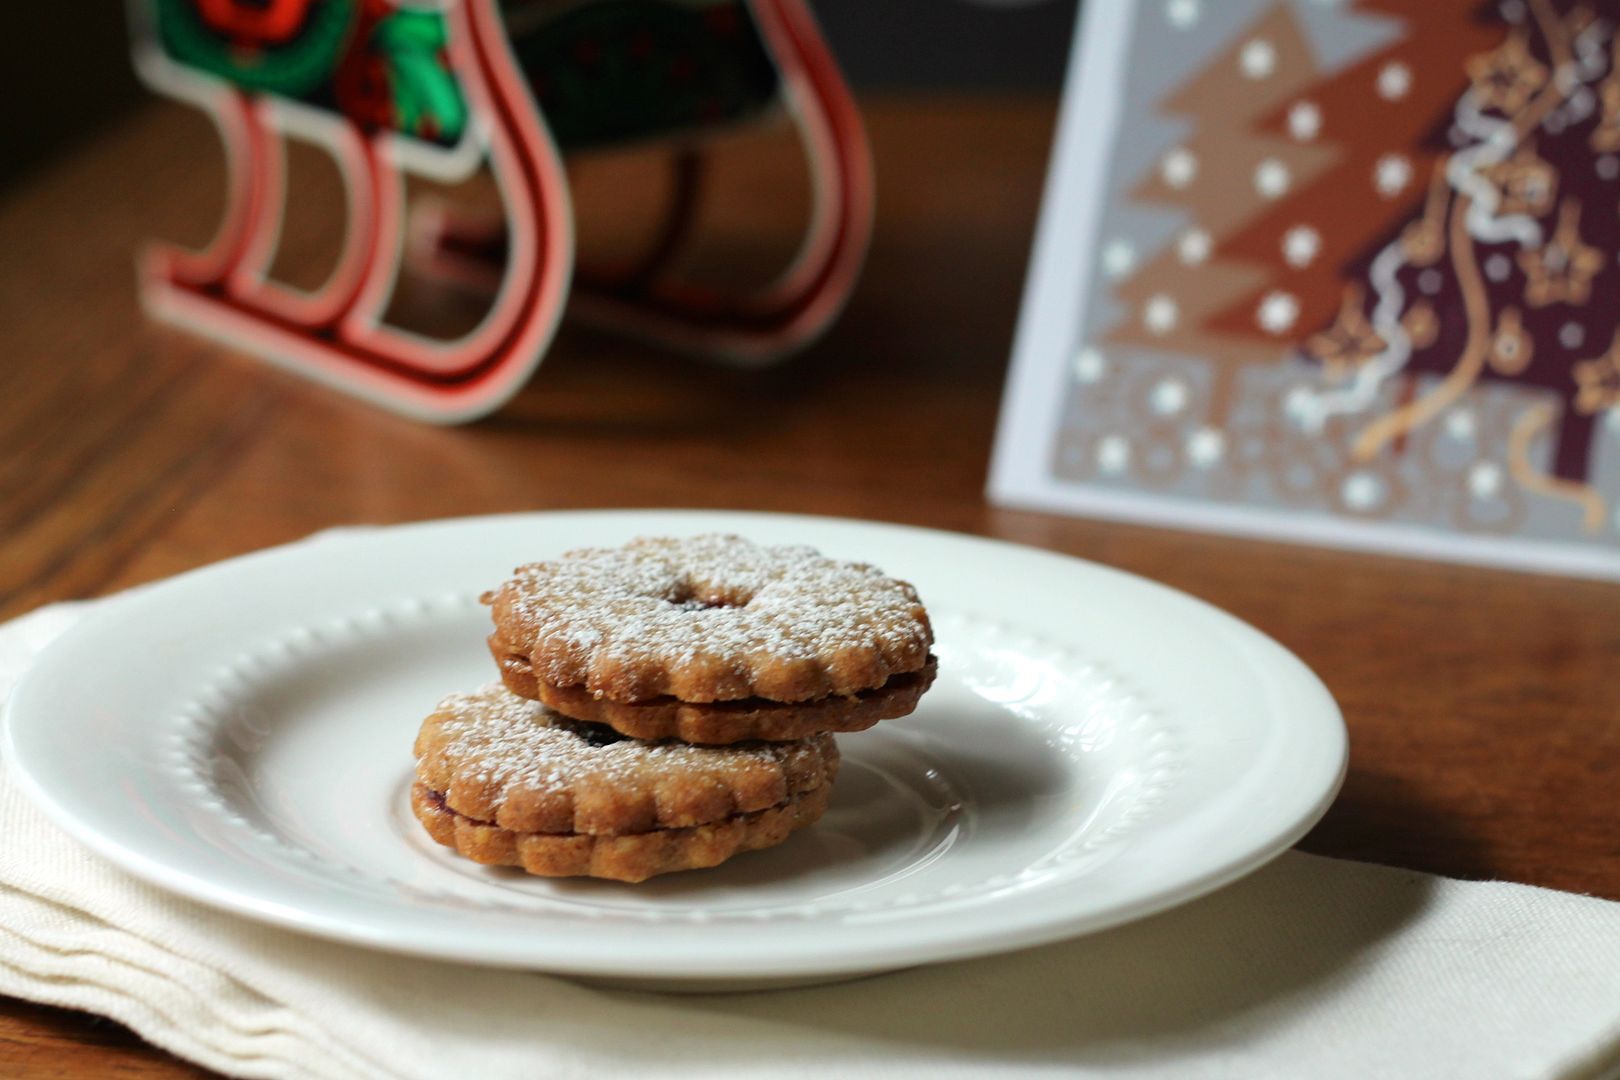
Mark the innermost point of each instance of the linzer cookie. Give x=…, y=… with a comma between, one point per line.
x=507, y=781
x=713, y=639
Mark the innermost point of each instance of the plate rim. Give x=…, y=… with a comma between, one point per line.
x=336, y=926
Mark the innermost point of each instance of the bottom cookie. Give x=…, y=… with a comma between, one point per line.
x=627, y=857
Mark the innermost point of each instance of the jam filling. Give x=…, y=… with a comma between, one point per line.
x=688, y=599
x=596, y=734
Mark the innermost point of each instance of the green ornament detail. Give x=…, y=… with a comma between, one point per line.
x=297, y=69
x=427, y=100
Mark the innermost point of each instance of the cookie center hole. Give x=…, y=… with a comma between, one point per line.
x=689, y=596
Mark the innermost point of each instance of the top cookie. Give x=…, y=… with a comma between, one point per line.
x=711, y=618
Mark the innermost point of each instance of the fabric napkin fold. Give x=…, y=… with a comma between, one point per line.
x=1311, y=967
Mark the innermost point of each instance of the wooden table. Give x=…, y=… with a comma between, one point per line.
x=1484, y=707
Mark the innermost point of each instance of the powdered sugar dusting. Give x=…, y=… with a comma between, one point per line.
x=493, y=736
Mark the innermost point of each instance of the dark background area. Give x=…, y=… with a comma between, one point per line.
x=64, y=67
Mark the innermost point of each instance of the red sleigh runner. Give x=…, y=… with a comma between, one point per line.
x=390, y=90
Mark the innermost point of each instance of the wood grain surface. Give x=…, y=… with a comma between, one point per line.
x=1484, y=707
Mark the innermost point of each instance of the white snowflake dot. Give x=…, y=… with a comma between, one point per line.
x=1168, y=396
x=1362, y=491
x=1182, y=14
x=1113, y=453
x=1179, y=167
x=1160, y=314
x=1090, y=365
x=1485, y=479
x=1394, y=81
x=1301, y=405
x=1305, y=121
x=1258, y=58
x=1118, y=258
x=1512, y=10
x=1608, y=167
x=1277, y=313
x=1205, y=447
x=1271, y=178
x=1194, y=246
x=1391, y=175
x=1460, y=424
x=1300, y=246
x=1572, y=335
x=1431, y=281
x=1498, y=267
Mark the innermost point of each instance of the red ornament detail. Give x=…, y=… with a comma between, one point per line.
x=361, y=83
x=256, y=22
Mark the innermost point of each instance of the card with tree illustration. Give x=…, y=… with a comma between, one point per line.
x=1345, y=271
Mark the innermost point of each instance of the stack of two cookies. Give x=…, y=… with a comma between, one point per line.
x=666, y=705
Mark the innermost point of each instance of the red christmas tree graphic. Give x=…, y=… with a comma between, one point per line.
x=1379, y=114
x=1234, y=166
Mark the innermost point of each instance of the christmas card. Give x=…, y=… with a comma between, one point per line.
x=1342, y=271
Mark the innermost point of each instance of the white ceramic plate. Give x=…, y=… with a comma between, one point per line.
x=1096, y=748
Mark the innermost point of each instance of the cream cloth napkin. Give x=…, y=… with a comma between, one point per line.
x=1312, y=967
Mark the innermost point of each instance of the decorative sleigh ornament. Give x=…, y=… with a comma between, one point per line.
x=390, y=89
